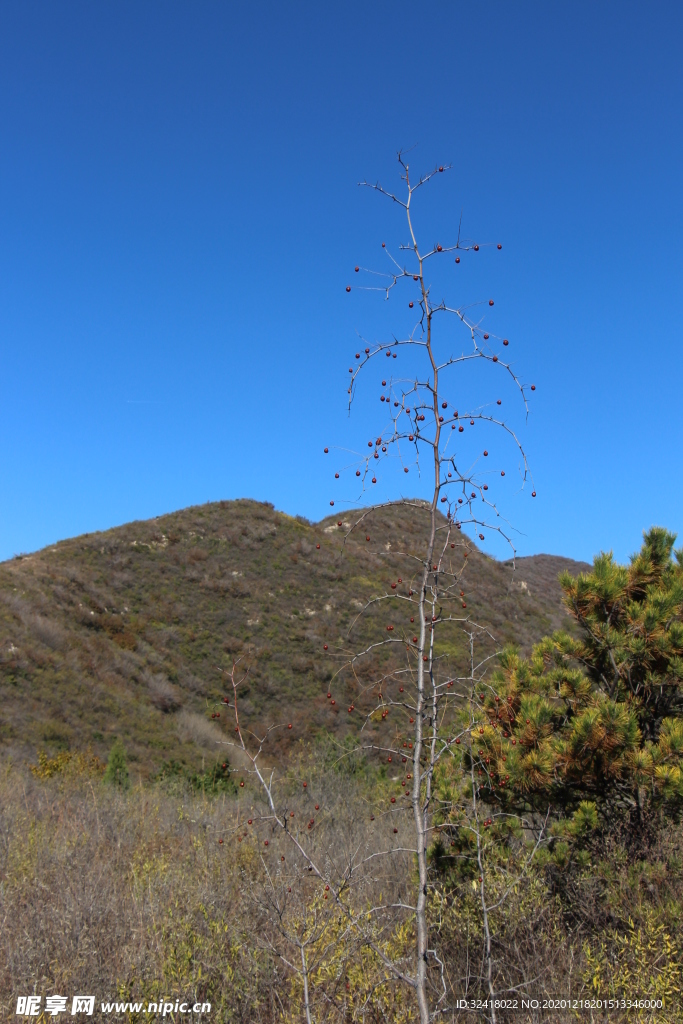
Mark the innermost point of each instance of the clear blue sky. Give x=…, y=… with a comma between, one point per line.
x=179, y=217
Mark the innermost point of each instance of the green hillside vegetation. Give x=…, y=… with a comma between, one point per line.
x=125, y=634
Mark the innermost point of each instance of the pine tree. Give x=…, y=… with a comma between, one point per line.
x=601, y=715
x=116, y=772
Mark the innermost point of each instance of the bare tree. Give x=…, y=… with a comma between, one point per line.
x=447, y=721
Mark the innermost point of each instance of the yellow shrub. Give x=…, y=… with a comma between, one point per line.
x=643, y=964
x=346, y=972
x=67, y=762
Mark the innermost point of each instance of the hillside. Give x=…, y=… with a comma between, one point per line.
x=126, y=632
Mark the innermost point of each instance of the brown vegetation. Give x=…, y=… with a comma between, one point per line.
x=131, y=894
x=125, y=633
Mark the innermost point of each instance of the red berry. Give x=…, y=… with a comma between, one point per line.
x=486, y=337
x=457, y=259
x=367, y=351
x=440, y=169
x=357, y=269
x=326, y=450
x=498, y=401
x=481, y=536
x=485, y=452
x=412, y=619
x=348, y=287
x=499, y=246
x=331, y=503
x=265, y=842
x=410, y=305
x=324, y=647
x=242, y=783
x=533, y=494
x=336, y=476
x=367, y=538
x=439, y=249
x=383, y=245
x=338, y=524
x=533, y=387
x=220, y=841
x=374, y=479
x=405, y=469
x=318, y=547
x=490, y=302
x=495, y=359
x=289, y=726
x=476, y=248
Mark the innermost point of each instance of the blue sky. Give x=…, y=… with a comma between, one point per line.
x=179, y=218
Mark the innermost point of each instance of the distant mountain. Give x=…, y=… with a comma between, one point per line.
x=126, y=633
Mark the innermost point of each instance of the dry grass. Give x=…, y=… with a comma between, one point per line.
x=109, y=892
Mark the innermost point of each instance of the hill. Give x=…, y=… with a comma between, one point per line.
x=128, y=632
